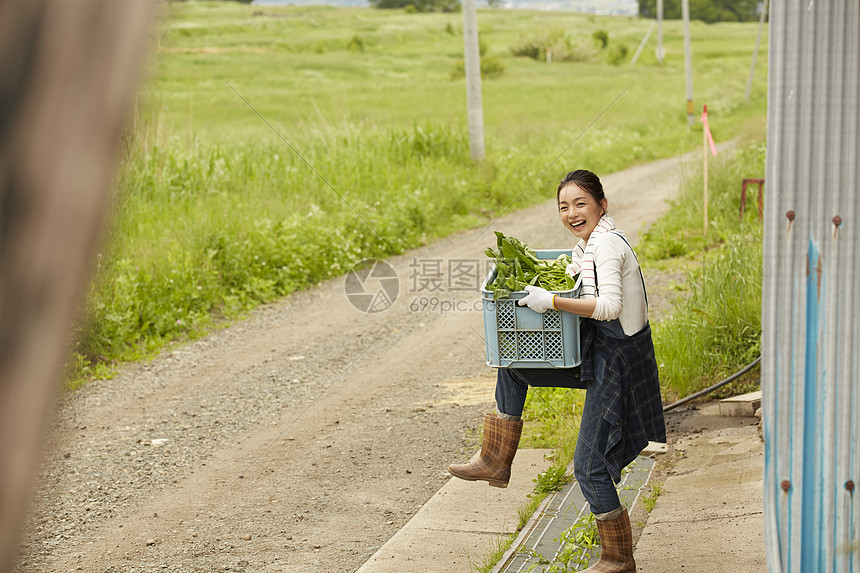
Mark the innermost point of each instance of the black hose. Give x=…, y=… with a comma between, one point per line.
x=710, y=389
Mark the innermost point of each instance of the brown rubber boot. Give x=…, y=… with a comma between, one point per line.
x=501, y=439
x=616, y=546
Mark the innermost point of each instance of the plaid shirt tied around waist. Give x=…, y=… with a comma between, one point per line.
x=624, y=372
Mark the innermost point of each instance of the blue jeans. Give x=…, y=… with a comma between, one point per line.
x=589, y=465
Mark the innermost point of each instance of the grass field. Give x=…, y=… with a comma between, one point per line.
x=299, y=72
x=216, y=212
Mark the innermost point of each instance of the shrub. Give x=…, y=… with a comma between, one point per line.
x=356, y=44
x=491, y=68
x=617, y=54
x=601, y=37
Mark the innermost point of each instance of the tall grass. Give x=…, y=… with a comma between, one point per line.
x=552, y=417
x=717, y=328
x=211, y=231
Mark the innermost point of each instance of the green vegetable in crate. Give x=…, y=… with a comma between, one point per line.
x=518, y=266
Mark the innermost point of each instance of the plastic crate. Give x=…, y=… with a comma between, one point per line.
x=518, y=337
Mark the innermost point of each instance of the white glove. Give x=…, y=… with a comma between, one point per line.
x=539, y=299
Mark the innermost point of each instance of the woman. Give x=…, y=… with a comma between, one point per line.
x=623, y=409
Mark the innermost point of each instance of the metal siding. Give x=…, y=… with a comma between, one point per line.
x=810, y=341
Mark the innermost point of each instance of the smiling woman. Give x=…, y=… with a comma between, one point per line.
x=623, y=407
x=579, y=209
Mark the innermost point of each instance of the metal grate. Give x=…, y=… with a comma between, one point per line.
x=539, y=542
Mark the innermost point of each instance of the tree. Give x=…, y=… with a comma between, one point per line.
x=705, y=10
x=419, y=5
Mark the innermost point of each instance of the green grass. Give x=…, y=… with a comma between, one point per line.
x=498, y=546
x=359, y=152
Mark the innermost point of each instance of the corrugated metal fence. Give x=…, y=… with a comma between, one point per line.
x=811, y=290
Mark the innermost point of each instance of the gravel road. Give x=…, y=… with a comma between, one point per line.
x=301, y=438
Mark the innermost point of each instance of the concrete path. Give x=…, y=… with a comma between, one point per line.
x=708, y=516
x=461, y=524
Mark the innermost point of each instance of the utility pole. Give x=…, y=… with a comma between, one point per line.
x=660, y=52
x=755, y=51
x=688, y=60
x=473, y=80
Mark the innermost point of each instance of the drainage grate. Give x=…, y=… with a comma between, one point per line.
x=538, y=543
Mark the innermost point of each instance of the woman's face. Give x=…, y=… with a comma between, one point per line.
x=579, y=211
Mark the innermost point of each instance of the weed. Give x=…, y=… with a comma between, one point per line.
x=498, y=546
x=577, y=545
x=650, y=500
x=525, y=512
x=551, y=480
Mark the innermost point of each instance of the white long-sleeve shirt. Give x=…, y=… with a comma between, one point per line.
x=621, y=293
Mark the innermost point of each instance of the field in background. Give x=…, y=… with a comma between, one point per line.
x=216, y=213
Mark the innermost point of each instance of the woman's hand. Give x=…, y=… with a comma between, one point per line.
x=539, y=299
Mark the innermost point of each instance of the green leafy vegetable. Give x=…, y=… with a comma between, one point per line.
x=518, y=266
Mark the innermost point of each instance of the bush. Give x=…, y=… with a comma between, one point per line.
x=601, y=37
x=617, y=54
x=491, y=68
x=356, y=44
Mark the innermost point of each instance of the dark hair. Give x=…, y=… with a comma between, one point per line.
x=585, y=180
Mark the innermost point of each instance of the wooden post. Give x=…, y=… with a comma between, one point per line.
x=473, y=80
x=705, y=150
x=688, y=60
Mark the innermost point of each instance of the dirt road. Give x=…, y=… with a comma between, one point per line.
x=299, y=439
